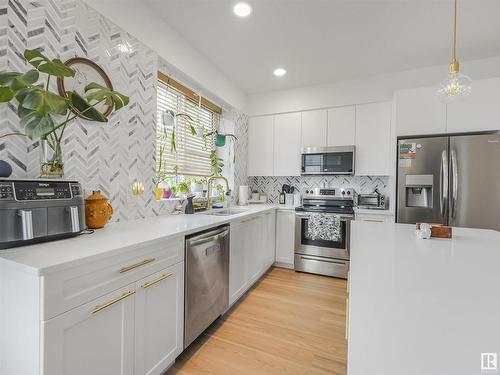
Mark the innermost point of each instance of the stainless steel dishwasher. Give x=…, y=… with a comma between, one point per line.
x=206, y=295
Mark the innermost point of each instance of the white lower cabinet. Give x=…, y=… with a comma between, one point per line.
x=254, y=246
x=135, y=330
x=96, y=338
x=159, y=317
x=251, y=252
x=269, y=235
x=238, y=279
x=285, y=237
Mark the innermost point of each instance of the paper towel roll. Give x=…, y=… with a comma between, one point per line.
x=243, y=195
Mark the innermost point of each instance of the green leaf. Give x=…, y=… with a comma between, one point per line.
x=112, y=97
x=18, y=81
x=6, y=94
x=173, y=146
x=53, y=67
x=193, y=130
x=21, y=94
x=35, y=124
x=81, y=106
x=43, y=101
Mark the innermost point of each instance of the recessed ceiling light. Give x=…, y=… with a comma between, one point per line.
x=279, y=72
x=242, y=9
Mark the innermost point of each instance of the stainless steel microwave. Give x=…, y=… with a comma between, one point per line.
x=328, y=160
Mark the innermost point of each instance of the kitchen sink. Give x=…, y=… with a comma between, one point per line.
x=225, y=211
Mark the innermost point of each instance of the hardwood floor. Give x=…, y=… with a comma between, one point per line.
x=289, y=323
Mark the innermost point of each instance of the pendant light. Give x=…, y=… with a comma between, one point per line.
x=457, y=84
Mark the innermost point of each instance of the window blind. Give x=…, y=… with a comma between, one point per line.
x=192, y=157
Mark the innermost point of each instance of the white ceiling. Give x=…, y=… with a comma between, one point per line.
x=327, y=41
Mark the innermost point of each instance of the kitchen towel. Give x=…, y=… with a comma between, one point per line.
x=324, y=227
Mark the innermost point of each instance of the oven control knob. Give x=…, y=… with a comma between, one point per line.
x=348, y=193
x=343, y=192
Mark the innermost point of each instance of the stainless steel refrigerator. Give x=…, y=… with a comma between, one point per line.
x=451, y=180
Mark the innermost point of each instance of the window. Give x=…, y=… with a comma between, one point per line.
x=192, y=155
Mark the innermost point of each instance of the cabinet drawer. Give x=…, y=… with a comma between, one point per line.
x=75, y=286
x=375, y=218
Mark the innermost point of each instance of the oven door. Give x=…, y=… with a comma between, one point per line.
x=369, y=200
x=339, y=163
x=319, y=247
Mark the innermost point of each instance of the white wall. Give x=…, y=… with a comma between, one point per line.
x=137, y=19
x=371, y=89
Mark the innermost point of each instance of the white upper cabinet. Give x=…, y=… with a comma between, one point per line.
x=477, y=112
x=373, y=135
x=419, y=112
x=261, y=146
x=341, y=126
x=287, y=131
x=314, y=124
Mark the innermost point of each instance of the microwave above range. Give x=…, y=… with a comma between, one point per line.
x=328, y=160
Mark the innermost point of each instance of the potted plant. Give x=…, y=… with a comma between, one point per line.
x=45, y=114
x=220, y=138
x=197, y=184
x=183, y=188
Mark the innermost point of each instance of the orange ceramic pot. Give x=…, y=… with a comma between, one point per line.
x=98, y=211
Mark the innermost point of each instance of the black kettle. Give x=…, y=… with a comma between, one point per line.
x=189, y=208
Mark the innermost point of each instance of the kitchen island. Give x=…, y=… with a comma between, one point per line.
x=422, y=306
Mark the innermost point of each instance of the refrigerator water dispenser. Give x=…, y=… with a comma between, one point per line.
x=419, y=189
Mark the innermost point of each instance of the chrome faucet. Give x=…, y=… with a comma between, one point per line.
x=209, y=189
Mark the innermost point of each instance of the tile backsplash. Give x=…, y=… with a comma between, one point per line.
x=361, y=184
x=107, y=157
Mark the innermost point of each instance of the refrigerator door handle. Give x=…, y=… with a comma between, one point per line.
x=443, y=183
x=454, y=185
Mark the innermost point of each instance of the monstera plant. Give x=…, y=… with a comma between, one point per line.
x=44, y=114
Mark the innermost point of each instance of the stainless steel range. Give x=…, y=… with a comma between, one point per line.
x=324, y=251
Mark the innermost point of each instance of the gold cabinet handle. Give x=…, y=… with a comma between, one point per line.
x=373, y=220
x=156, y=281
x=134, y=266
x=111, y=303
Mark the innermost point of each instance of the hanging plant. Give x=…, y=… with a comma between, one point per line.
x=220, y=138
x=161, y=175
x=170, y=118
x=216, y=162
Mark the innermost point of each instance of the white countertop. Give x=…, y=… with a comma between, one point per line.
x=52, y=256
x=422, y=306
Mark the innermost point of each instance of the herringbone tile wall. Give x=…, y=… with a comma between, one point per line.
x=108, y=157
x=361, y=184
